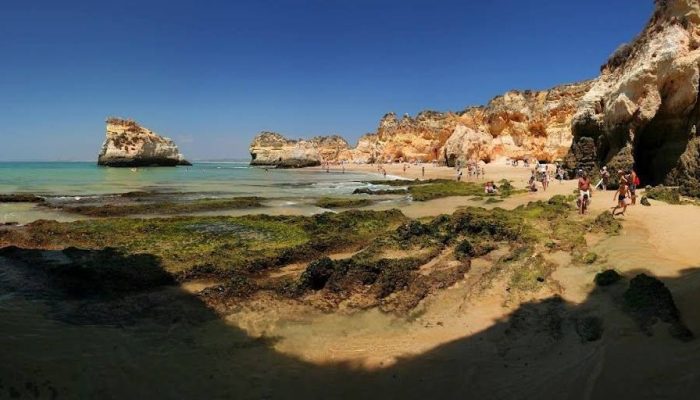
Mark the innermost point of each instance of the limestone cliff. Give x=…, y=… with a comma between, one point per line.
x=643, y=109
x=130, y=145
x=273, y=149
x=517, y=124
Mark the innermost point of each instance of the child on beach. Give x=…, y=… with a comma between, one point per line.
x=621, y=195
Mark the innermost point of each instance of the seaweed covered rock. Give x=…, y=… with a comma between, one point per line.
x=497, y=224
x=607, y=277
x=379, y=191
x=589, y=258
x=412, y=229
x=607, y=223
x=106, y=273
x=559, y=200
x=330, y=202
x=589, y=329
x=649, y=300
x=20, y=198
x=662, y=193
x=465, y=250
x=645, y=201
x=235, y=287
x=317, y=274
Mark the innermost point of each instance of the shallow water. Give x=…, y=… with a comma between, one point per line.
x=229, y=178
x=286, y=191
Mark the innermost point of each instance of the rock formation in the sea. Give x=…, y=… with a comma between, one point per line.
x=275, y=150
x=130, y=145
x=643, y=110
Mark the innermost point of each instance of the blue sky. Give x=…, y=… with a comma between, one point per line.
x=211, y=74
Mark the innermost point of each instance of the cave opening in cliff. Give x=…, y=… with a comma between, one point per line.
x=657, y=149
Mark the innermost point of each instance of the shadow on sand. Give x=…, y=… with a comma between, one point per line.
x=100, y=324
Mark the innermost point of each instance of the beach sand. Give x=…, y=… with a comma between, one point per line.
x=471, y=340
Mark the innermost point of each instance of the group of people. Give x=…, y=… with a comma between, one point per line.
x=490, y=188
x=474, y=170
x=625, y=195
x=541, y=174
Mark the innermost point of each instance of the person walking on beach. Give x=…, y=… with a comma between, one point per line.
x=584, y=190
x=544, y=177
x=633, y=183
x=422, y=171
x=605, y=175
x=621, y=197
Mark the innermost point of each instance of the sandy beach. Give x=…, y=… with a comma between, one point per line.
x=473, y=335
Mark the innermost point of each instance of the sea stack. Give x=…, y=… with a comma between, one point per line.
x=274, y=150
x=128, y=144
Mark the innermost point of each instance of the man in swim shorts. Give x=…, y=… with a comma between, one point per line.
x=584, y=188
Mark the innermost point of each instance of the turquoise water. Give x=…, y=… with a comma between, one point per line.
x=291, y=192
x=230, y=178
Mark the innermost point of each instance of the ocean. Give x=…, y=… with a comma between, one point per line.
x=288, y=191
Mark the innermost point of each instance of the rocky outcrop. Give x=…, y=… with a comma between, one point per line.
x=274, y=150
x=643, y=110
x=517, y=124
x=130, y=145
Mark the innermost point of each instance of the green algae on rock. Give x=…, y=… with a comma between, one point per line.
x=330, y=202
x=665, y=194
x=648, y=300
x=164, y=208
x=607, y=277
x=213, y=245
x=424, y=190
x=20, y=198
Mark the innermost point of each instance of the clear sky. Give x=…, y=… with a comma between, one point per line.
x=211, y=74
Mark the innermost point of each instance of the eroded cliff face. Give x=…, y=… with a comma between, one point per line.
x=643, y=109
x=517, y=124
x=275, y=150
x=130, y=145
